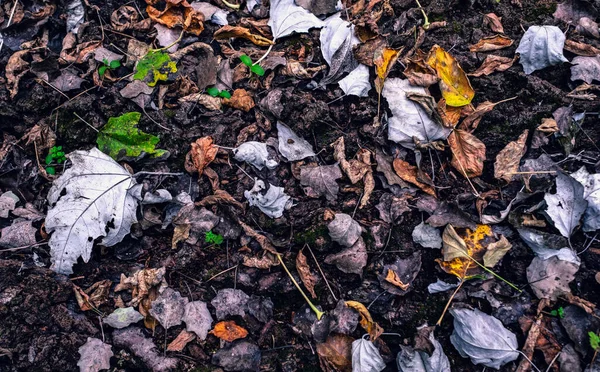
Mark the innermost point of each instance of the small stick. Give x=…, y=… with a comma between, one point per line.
x=321, y=271
x=221, y=273
x=448, y=303
x=88, y=124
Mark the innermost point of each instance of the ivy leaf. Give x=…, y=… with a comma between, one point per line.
x=154, y=67
x=120, y=138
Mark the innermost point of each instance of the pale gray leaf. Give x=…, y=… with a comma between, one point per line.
x=143, y=347
x=427, y=235
x=8, y=202
x=591, y=193
x=211, y=13
x=167, y=36
x=320, y=7
x=230, y=301
x=79, y=214
x=157, y=197
x=550, y=278
x=586, y=69
x=350, y=260
x=272, y=203
x=101, y=54
x=540, y=47
x=291, y=146
x=285, y=17
x=546, y=245
x=123, y=317
x=566, y=207
x=319, y=181
x=409, y=119
x=169, y=308
x=95, y=356
x=410, y=360
x=440, y=286
x=344, y=230
x=75, y=15
x=254, y=153
x=366, y=357
x=19, y=234
x=136, y=88
x=67, y=81
x=337, y=39
x=483, y=338
x=357, y=82
x=571, y=11
x=239, y=355
x=197, y=319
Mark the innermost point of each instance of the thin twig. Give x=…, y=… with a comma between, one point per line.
x=88, y=124
x=448, y=303
x=321, y=271
x=12, y=14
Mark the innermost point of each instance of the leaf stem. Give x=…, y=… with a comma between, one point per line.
x=232, y=6
x=494, y=274
x=449, y=301
x=264, y=55
x=426, y=24
x=313, y=307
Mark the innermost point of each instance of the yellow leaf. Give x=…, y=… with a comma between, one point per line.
x=384, y=60
x=454, y=83
x=460, y=250
x=366, y=321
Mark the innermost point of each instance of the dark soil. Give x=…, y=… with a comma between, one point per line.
x=41, y=325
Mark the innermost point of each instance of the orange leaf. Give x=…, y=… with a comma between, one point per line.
x=454, y=83
x=178, y=13
x=227, y=32
x=393, y=278
x=240, y=99
x=487, y=44
x=409, y=174
x=468, y=153
x=366, y=321
x=229, y=331
x=203, y=152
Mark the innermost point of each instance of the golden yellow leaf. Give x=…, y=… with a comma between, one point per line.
x=366, y=321
x=229, y=331
x=384, y=60
x=454, y=83
x=393, y=278
x=462, y=250
x=227, y=32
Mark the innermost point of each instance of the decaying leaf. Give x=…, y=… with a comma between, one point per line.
x=272, y=202
x=366, y=321
x=591, y=193
x=366, y=357
x=240, y=99
x=354, y=169
x=487, y=44
x=566, y=207
x=398, y=277
x=337, y=39
x=197, y=319
x=581, y=49
x=227, y=32
x=419, y=73
x=291, y=146
x=410, y=173
x=461, y=251
x=454, y=83
x=320, y=181
x=344, y=230
x=492, y=64
x=427, y=236
x=351, y=260
x=177, y=13
x=307, y=277
x=82, y=215
x=123, y=317
x=168, y=308
x=493, y=22
x=586, y=69
x=468, y=153
x=335, y=354
x=540, y=47
x=239, y=355
x=509, y=158
x=183, y=338
x=95, y=356
x=229, y=331
x=411, y=360
x=133, y=339
x=255, y=153
x=210, y=102
x=203, y=152
x=496, y=251
x=550, y=277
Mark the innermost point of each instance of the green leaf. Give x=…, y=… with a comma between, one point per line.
x=102, y=71
x=224, y=94
x=561, y=312
x=49, y=158
x=246, y=60
x=594, y=340
x=258, y=70
x=212, y=91
x=105, y=61
x=212, y=238
x=115, y=64
x=120, y=137
x=51, y=171
x=154, y=67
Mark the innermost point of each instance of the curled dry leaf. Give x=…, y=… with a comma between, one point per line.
x=229, y=331
x=471, y=121
x=581, y=49
x=496, y=251
x=183, y=338
x=454, y=83
x=409, y=173
x=354, y=169
x=177, y=13
x=493, y=22
x=335, y=353
x=384, y=60
x=203, y=152
x=492, y=64
x=240, y=99
x=366, y=321
x=468, y=153
x=307, y=277
x=487, y=44
x=210, y=102
x=419, y=73
x=508, y=159
x=227, y=32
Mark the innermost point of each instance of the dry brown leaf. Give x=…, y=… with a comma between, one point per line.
x=364, y=156
x=409, y=173
x=471, y=121
x=487, y=44
x=493, y=22
x=493, y=63
x=228, y=31
x=177, y=13
x=203, y=152
x=454, y=83
x=295, y=69
x=229, y=331
x=366, y=321
x=210, y=102
x=183, y=338
x=335, y=354
x=393, y=278
x=548, y=126
x=468, y=153
x=581, y=49
x=419, y=73
x=219, y=197
x=308, y=278
x=16, y=68
x=240, y=99
x=354, y=169
x=365, y=52
x=384, y=59
x=264, y=262
x=74, y=52
x=262, y=240
x=508, y=159
x=180, y=233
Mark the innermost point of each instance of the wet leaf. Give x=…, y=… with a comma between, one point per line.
x=320, y=181
x=566, y=207
x=350, y=260
x=454, y=83
x=410, y=173
x=509, y=158
x=344, y=230
x=227, y=32
x=366, y=321
x=229, y=331
x=483, y=338
x=488, y=44
x=95, y=356
x=307, y=277
x=586, y=69
x=291, y=146
x=154, y=67
x=203, y=152
x=255, y=153
x=335, y=353
x=550, y=277
x=591, y=193
x=120, y=137
x=285, y=17
x=272, y=203
x=493, y=22
x=366, y=357
x=540, y=47
x=493, y=64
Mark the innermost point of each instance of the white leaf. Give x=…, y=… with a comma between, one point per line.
x=440, y=286
x=291, y=146
x=357, y=82
x=482, y=338
x=197, y=319
x=591, y=193
x=75, y=16
x=100, y=200
x=286, y=17
x=344, y=230
x=427, y=235
x=366, y=357
x=566, y=207
x=409, y=360
x=337, y=39
x=254, y=153
x=540, y=47
x=272, y=203
x=550, y=278
x=95, y=356
x=123, y=317
x=409, y=118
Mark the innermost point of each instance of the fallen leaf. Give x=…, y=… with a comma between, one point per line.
x=354, y=169
x=366, y=357
x=337, y=39
x=168, y=308
x=492, y=64
x=95, y=356
x=335, y=354
x=166, y=37
x=487, y=44
x=203, y=152
x=177, y=13
x=366, y=321
x=75, y=15
x=229, y=331
x=460, y=252
x=307, y=277
x=123, y=317
x=319, y=7
x=448, y=213
x=238, y=356
x=572, y=11
x=384, y=165
x=398, y=277
x=384, y=59
x=357, y=82
x=321, y=181
x=419, y=73
x=16, y=68
x=586, y=69
x=540, y=47
x=272, y=203
x=427, y=236
x=227, y=32
x=143, y=347
x=482, y=338
x=409, y=173
x=18, y=234
x=230, y=301
x=581, y=49
x=591, y=193
x=496, y=251
x=183, y=338
x=210, y=102
x=291, y=146
x=212, y=13
x=197, y=319
x=471, y=121
x=550, y=277
x=391, y=208
x=254, y=153
x=493, y=22
x=344, y=230
x=454, y=83
x=509, y=158
x=566, y=207
x=155, y=66
x=351, y=260
x=240, y=99
x=468, y=153
x=285, y=18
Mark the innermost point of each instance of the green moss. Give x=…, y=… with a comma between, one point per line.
x=457, y=27
x=169, y=113
x=154, y=67
x=310, y=236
